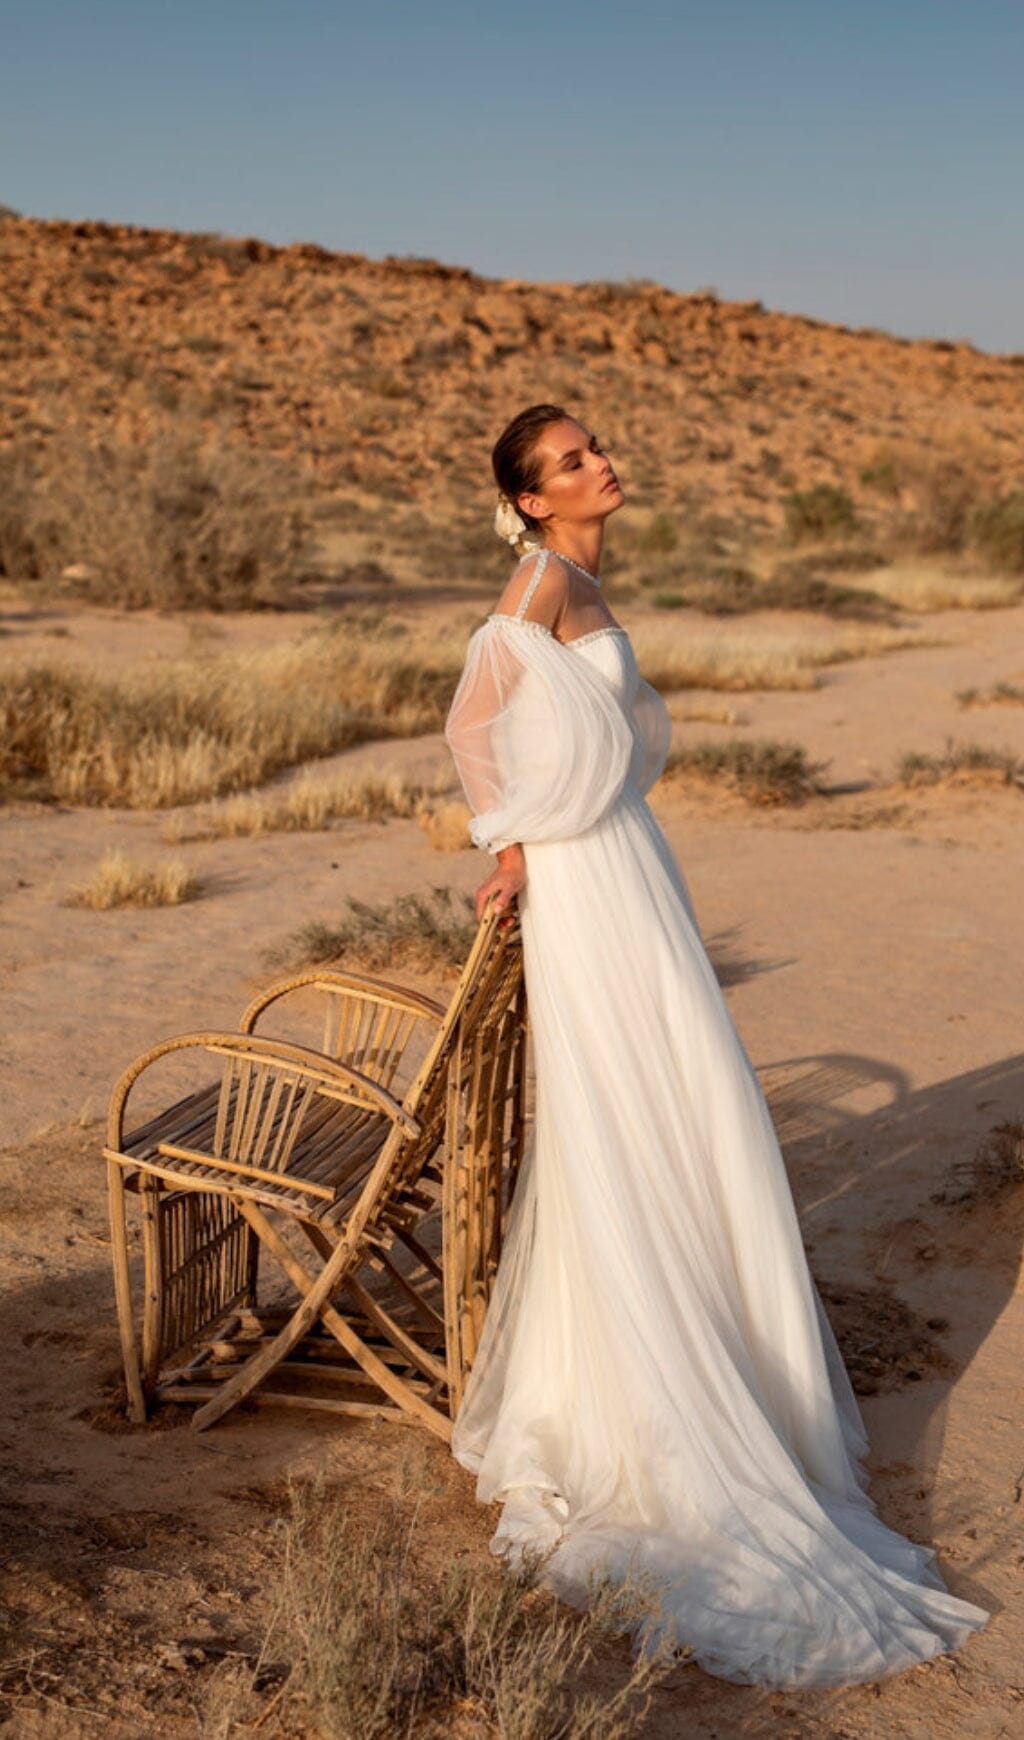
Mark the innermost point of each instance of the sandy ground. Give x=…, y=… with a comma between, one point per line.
x=870, y=945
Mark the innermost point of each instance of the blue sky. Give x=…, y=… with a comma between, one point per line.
x=861, y=163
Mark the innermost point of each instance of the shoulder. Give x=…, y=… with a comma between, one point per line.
x=545, y=578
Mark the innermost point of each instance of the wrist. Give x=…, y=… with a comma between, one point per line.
x=510, y=855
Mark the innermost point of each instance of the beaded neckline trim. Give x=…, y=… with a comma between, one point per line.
x=596, y=578
x=542, y=628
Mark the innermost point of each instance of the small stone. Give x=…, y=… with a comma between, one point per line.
x=172, y=1656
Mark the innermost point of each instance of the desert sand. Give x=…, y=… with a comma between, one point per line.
x=870, y=944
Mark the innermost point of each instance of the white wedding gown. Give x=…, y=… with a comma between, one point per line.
x=657, y=1388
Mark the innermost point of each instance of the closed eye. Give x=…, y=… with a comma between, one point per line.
x=595, y=447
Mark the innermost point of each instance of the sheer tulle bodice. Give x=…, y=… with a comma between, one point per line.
x=658, y=1389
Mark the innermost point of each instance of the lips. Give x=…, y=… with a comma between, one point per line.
x=613, y=483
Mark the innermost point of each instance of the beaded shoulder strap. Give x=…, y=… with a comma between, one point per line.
x=531, y=589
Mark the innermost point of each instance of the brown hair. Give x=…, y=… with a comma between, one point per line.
x=513, y=459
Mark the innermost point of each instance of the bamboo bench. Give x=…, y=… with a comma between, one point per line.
x=374, y=1187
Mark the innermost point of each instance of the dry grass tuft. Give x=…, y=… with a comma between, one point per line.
x=193, y=728
x=374, y=1650
x=759, y=769
x=446, y=826
x=967, y=763
x=917, y=588
x=417, y=931
x=999, y=695
x=310, y=803
x=120, y=882
x=996, y=1167
x=765, y=660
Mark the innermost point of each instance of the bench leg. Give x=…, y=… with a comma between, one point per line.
x=123, y=1292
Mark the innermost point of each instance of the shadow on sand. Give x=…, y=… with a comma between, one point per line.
x=866, y=1184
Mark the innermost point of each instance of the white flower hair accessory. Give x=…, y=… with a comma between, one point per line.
x=510, y=525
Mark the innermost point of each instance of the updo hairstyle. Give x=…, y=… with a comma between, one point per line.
x=514, y=459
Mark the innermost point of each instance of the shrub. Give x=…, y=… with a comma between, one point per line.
x=936, y=492
x=843, y=559
x=375, y=1647
x=419, y=930
x=172, y=522
x=1000, y=694
x=997, y=530
x=997, y=1166
x=728, y=590
x=719, y=589
x=805, y=590
x=760, y=769
x=998, y=765
x=882, y=475
x=18, y=539
x=944, y=493
x=823, y=511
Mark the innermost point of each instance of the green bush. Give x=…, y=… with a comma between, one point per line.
x=883, y=475
x=821, y=512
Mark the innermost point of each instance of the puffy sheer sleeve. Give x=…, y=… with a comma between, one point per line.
x=652, y=734
x=541, y=745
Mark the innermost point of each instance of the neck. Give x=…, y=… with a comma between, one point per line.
x=582, y=543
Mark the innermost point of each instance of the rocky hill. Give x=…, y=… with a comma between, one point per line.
x=388, y=380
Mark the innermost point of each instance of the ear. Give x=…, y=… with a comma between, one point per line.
x=534, y=505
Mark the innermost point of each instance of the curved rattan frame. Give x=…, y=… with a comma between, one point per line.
x=289, y=1133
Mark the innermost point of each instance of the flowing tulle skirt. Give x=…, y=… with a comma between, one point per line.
x=658, y=1390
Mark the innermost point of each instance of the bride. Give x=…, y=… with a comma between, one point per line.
x=657, y=1389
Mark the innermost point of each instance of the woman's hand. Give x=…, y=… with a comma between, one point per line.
x=506, y=882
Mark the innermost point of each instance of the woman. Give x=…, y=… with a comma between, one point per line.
x=657, y=1389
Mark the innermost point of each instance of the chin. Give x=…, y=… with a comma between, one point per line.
x=614, y=499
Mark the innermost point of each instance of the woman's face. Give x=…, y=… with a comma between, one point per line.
x=577, y=481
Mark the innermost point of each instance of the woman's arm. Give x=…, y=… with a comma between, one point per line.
x=508, y=880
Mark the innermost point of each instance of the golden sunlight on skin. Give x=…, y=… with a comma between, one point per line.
x=577, y=491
